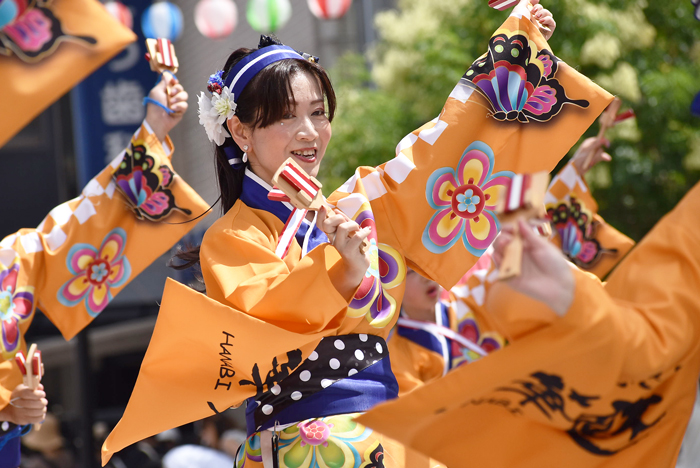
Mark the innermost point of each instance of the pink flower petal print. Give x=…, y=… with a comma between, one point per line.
x=445, y=228
x=112, y=247
x=474, y=165
x=493, y=188
x=98, y=298
x=75, y=289
x=116, y=273
x=23, y=305
x=10, y=334
x=9, y=279
x=81, y=258
x=441, y=194
x=481, y=234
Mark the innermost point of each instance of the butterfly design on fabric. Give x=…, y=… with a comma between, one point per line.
x=518, y=80
x=576, y=229
x=144, y=182
x=30, y=30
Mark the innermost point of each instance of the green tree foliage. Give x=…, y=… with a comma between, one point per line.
x=646, y=53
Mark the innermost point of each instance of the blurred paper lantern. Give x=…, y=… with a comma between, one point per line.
x=121, y=12
x=329, y=9
x=162, y=19
x=695, y=106
x=10, y=10
x=267, y=16
x=216, y=18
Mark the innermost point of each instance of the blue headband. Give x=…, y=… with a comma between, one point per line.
x=245, y=70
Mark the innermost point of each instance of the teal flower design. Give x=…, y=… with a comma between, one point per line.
x=98, y=272
x=468, y=201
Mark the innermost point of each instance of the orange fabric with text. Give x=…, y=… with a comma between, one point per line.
x=219, y=337
x=610, y=384
x=50, y=48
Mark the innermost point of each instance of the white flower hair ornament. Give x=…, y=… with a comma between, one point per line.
x=214, y=111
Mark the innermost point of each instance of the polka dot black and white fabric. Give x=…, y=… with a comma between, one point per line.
x=335, y=358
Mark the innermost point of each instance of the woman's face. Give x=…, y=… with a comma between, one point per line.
x=302, y=134
x=420, y=297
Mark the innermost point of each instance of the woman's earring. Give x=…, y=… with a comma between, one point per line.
x=245, y=155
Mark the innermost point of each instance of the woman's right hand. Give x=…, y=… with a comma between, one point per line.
x=543, y=17
x=546, y=275
x=160, y=121
x=347, y=237
x=26, y=406
x=590, y=153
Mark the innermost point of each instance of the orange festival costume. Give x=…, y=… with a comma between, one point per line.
x=87, y=249
x=610, y=384
x=424, y=351
x=421, y=351
x=273, y=329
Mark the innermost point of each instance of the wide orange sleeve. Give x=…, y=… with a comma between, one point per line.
x=657, y=290
x=241, y=270
x=610, y=384
x=435, y=201
x=10, y=377
x=87, y=249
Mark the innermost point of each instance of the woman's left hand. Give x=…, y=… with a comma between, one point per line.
x=544, y=17
x=347, y=237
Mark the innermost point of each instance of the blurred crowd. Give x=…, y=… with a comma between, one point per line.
x=209, y=443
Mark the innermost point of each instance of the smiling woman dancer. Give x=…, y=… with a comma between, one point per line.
x=305, y=313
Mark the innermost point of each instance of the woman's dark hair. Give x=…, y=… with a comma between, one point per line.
x=264, y=101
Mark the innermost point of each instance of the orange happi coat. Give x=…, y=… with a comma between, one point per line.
x=259, y=307
x=577, y=229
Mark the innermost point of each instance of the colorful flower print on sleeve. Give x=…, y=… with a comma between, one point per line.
x=465, y=199
x=31, y=31
x=386, y=271
x=16, y=304
x=96, y=272
x=469, y=328
x=144, y=180
x=518, y=80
